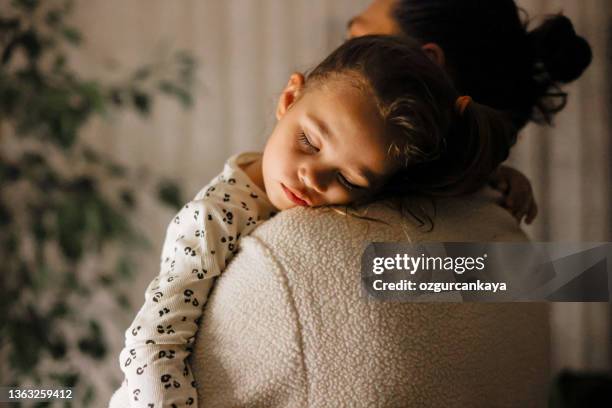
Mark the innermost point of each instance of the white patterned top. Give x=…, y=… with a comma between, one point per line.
x=200, y=241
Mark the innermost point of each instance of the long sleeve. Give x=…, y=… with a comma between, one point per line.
x=199, y=242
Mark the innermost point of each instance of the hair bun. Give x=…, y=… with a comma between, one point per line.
x=564, y=54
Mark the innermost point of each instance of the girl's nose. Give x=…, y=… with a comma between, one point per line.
x=315, y=178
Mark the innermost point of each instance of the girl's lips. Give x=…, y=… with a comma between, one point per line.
x=293, y=197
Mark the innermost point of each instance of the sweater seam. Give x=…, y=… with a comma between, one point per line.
x=292, y=304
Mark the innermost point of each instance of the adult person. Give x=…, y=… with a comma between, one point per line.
x=491, y=56
x=287, y=324
x=488, y=51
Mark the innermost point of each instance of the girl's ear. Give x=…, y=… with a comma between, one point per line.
x=435, y=53
x=290, y=94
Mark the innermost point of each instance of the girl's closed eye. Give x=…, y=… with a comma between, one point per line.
x=347, y=184
x=306, y=142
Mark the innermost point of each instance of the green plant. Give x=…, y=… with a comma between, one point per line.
x=62, y=202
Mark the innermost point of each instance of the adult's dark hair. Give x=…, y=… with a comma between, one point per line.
x=492, y=56
x=445, y=150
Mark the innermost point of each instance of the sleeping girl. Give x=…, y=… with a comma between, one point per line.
x=375, y=120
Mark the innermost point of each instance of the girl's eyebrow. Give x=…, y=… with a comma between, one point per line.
x=363, y=173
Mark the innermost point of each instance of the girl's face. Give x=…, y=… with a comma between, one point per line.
x=328, y=146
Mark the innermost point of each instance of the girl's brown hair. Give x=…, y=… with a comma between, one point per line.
x=444, y=151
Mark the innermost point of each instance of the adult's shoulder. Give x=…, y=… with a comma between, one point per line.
x=475, y=217
x=293, y=297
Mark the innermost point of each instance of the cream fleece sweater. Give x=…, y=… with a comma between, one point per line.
x=287, y=324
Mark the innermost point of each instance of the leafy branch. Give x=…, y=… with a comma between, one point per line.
x=62, y=202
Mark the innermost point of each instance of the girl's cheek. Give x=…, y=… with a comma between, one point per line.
x=338, y=196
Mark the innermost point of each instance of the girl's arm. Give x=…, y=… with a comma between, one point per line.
x=199, y=242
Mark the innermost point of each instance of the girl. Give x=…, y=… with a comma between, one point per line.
x=375, y=119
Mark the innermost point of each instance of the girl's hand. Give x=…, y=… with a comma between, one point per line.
x=517, y=194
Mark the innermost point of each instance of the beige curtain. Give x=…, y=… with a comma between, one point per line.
x=248, y=48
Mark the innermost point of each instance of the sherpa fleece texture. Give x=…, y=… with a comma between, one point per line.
x=288, y=326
